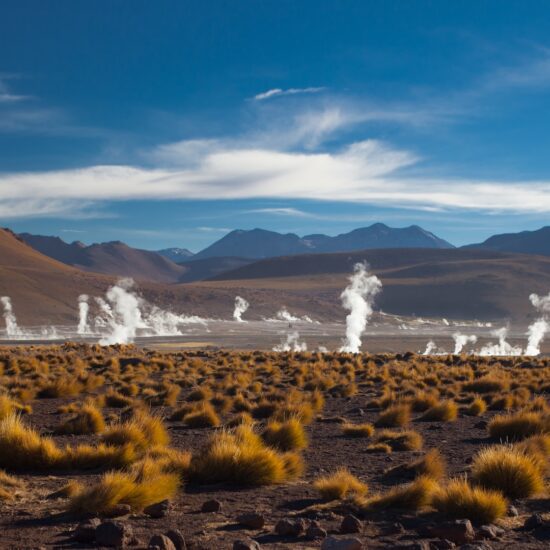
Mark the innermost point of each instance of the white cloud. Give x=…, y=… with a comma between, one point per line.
x=367, y=171
x=274, y=92
x=284, y=211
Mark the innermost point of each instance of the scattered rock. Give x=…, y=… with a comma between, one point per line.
x=315, y=531
x=533, y=522
x=442, y=544
x=113, y=534
x=513, y=511
x=158, y=510
x=177, y=538
x=118, y=511
x=289, y=528
x=332, y=543
x=211, y=506
x=85, y=530
x=162, y=542
x=489, y=532
x=351, y=524
x=459, y=531
x=251, y=520
x=246, y=545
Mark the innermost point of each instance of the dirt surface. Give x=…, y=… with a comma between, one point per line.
x=33, y=520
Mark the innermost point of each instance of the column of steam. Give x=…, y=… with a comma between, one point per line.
x=12, y=330
x=83, y=309
x=241, y=305
x=358, y=297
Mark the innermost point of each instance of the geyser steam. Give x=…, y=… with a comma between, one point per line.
x=461, y=340
x=83, y=309
x=291, y=343
x=241, y=305
x=358, y=297
x=538, y=329
x=12, y=330
x=502, y=348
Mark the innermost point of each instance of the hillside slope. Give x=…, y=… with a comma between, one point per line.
x=525, y=242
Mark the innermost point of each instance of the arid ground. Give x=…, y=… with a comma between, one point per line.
x=257, y=431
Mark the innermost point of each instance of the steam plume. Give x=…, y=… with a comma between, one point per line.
x=461, y=340
x=12, y=330
x=83, y=309
x=503, y=347
x=538, y=329
x=241, y=305
x=357, y=297
x=291, y=343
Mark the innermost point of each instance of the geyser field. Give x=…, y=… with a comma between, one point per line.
x=143, y=428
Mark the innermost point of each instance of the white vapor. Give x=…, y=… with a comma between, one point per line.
x=291, y=343
x=12, y=329
x=537, y=330
x=241, y=305
x=357, y=297
x=461, y=340
x=83, y=309
x=502, y=347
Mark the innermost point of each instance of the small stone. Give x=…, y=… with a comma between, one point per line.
x=289, y=528
x=332, y=543
x=442, y=544
x=351, y=524
x=246, y=545
x=211, y=506
x=513, y=511
x=158, y=510
x=177, y=539
x=162, y=542
x=118, y=511
x=533, y=522
x=315, y=531
x=487, y=532
x=251, y=520
x=459, y=531
x=85, y=530
x=113, y=534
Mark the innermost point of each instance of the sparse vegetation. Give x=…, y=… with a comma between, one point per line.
x=339, y=485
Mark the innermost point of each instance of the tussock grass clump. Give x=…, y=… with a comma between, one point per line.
x=9, y=486
x=358, y=430
x=10, y=407
x=446, y=411
x=407, y=440
x=395, y=416
x=137, y=491
x=515, y=427
x=462, y=501
x=509, y=470
x=70, y=489
x=142, y=431
x=88, y=420
x=203, y=417
x=423, y=401
x=62, y=387
x=379, y=448
x=413, y=496
x=476, y=408
x=432, y=465
x=537, y=446
x=117, y=400
x=239, y=458
x=90, y=457
x=486, y=384
x=340, y=484
x=285, y=436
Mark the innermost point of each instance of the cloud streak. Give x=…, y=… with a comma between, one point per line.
x=276, y=92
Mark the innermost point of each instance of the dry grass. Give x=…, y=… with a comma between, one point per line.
x=204, y=417
x=339, y=485
x=518, y=426
x=413, y=496
x=285, y=436
x=88, y=420
x=447, y=411
x=476, y=408
x=358, y=430
x=462, y=501
x=509, y=470
x=406, y=440
x=142, y=431
x=432, y=465
x=396, y=416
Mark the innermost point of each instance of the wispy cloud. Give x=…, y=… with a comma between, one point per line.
x=275, y=92
x=288, y=211
x=208, y=229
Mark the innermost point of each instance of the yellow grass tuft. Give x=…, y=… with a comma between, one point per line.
x=358, y=430
x=446, y=411
x=88, y=420
x=203, y=417
x=339, y=485
x=285, y=436
x=406, y=440
x=394, y=417
x=509, y=470
x=476, y=408
x=515, y=427
x=462, y=501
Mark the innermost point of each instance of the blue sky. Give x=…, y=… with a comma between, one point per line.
x=168, y=123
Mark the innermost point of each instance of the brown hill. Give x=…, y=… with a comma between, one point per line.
x=454, y=283
x=112, y=258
